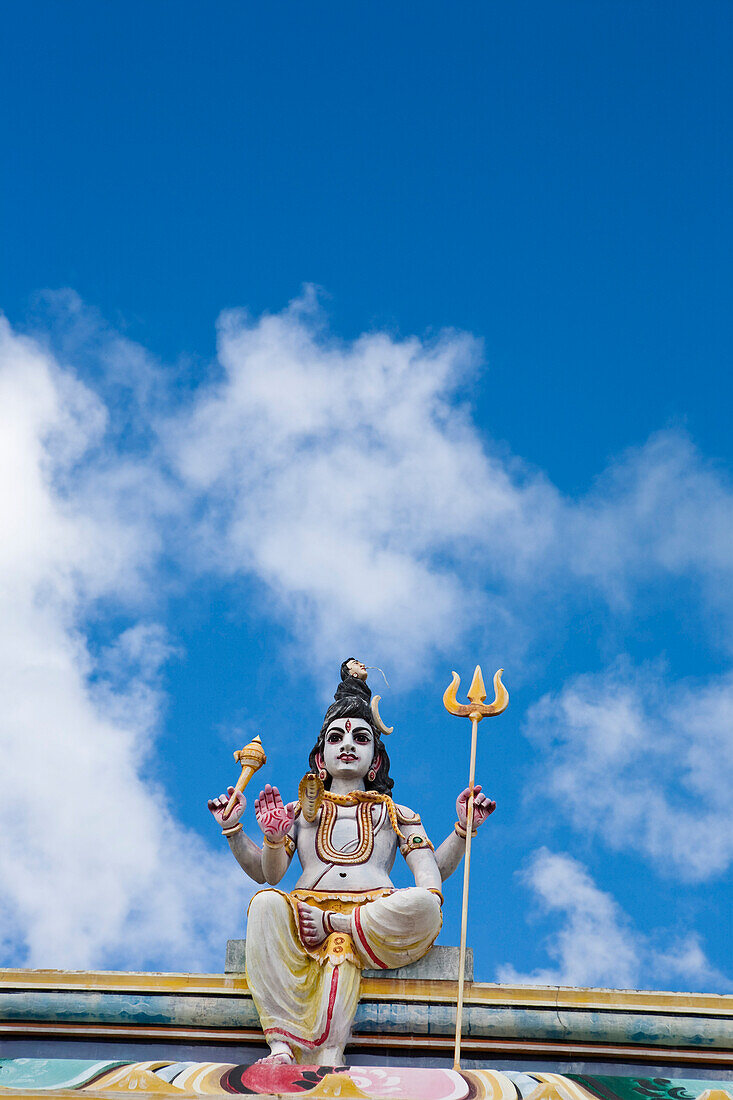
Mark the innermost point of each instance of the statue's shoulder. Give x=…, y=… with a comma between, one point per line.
x=406, y=816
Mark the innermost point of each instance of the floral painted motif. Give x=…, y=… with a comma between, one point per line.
x=58, y=1076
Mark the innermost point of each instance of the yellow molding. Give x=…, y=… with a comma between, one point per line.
x=618, y=1000
x=380, y=989
x=123, y=981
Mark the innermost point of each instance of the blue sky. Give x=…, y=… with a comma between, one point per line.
x=403, y=333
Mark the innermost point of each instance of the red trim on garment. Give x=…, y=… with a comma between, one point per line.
x=309, y=1042
x=362, y=938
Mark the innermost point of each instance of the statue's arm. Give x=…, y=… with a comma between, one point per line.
x=277, y=823
x=276, y=859
x=451, y=851
x=449, y=855
x=246, y=852
x=247, y=855
x=424, y=867
x=417, y=850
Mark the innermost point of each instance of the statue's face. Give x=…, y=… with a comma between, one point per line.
x=357, y=669
x=348, y=748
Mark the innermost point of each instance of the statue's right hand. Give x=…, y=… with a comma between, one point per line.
x=273, y=818
x=218, y=806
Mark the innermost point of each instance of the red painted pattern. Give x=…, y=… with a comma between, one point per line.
x=362, y=939
x=309, y=1042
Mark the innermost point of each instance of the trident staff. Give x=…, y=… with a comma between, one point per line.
x=475, y=709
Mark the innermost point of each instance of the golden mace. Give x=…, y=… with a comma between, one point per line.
x=251, y=757
x=475, y=709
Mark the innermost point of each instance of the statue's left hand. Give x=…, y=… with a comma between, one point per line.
x=273, y=817
x=482, y=806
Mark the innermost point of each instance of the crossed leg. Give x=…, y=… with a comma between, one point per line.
x=305, y=1007
x=316, y=924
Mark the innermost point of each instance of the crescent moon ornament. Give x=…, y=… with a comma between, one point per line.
x=375, y=715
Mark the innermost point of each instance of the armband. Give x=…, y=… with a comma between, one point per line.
x=439, y=896
x=407, y=817
x=460, y=831
x=414, y=842
x=228, y=833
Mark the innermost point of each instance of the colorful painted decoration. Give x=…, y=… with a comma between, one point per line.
x=53, y=1076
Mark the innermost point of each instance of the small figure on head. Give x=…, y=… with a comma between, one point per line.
x=352, y=667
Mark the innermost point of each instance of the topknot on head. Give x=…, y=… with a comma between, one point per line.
x=353, y=682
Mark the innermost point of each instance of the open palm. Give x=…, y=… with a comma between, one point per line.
x=274, y=818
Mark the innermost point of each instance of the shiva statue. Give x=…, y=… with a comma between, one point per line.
x=306, y=949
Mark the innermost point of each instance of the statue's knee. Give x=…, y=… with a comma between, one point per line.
x=426, y=905
x=423, y=899
x=265, y=904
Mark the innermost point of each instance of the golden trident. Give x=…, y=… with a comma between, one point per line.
x=475, y=709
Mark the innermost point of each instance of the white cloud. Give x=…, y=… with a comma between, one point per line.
x=349, y=478
x=660, y=512
x=596, y=943
x=350, y=481
x=93, y=863
x=685, y=961
x=345, y=477
x=657, y=757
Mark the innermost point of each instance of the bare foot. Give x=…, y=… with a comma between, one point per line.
x=313, y=925
x=280, y=1055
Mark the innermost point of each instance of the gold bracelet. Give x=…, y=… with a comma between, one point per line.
x=274, y=844
x=460, y=831
x=230, y=832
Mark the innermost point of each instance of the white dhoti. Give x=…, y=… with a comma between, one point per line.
x=307, y=997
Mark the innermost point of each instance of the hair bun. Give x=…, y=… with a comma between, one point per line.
x=351, y=688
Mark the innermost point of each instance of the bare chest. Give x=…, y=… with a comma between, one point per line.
x=346, y=844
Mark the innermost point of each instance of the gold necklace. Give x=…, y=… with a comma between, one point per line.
x=311, y=793
x=354, y=797
x=325, y=849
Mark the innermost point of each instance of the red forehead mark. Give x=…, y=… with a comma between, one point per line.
x=348, y=725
